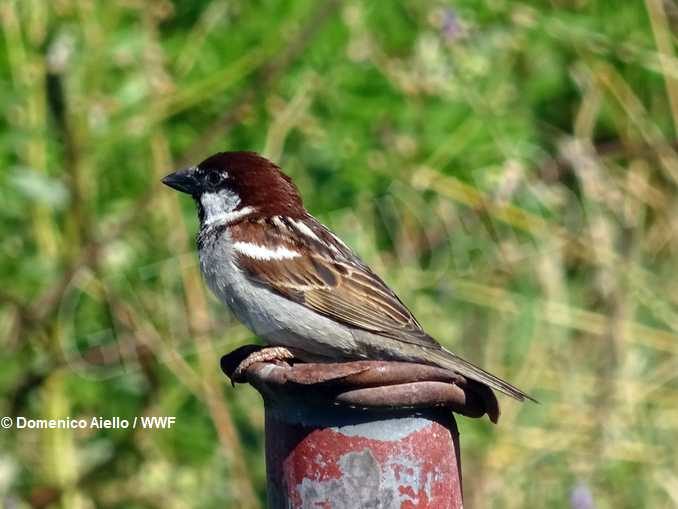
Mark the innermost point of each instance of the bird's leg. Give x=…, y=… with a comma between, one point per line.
x=268, y=354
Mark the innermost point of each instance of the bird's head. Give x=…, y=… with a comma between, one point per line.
x=231, y=185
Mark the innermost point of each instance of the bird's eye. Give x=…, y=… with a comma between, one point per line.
x=214, y=178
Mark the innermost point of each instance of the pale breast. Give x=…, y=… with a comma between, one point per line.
x=270, y=316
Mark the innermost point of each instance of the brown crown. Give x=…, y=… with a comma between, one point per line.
x=258, y=182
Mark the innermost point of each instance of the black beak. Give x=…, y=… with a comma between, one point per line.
x=182, y=180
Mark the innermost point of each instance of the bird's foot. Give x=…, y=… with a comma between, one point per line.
x=268, y=354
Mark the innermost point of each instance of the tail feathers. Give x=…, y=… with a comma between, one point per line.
x=448, y=360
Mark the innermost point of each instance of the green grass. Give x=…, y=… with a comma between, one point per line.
x=510, y=168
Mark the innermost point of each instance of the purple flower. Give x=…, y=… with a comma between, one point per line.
x=581, y=497
x=451, y=25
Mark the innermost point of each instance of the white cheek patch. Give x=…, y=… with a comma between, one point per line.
x=264, y=253
x=220, y=207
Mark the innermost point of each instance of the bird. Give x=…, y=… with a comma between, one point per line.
x=292, y=281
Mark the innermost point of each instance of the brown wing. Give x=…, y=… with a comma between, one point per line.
x=331, y=280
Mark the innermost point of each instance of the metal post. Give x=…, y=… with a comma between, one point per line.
x=321, y=458
x=363, y=434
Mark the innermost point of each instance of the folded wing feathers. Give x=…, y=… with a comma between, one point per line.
x=322, y=273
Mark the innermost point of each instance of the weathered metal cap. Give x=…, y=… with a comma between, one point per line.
x=372, y=385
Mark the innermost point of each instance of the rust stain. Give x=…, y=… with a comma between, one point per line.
x=367, y=384
x=330, y=469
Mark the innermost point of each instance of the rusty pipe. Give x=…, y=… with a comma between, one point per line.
x=364, y=433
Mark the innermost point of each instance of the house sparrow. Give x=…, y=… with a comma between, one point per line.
x=292, y=281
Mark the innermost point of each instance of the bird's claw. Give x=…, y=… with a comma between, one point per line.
x=268, y=354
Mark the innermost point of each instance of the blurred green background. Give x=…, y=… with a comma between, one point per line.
x=509, y=167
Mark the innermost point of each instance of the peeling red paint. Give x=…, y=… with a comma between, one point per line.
x=328, y=468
